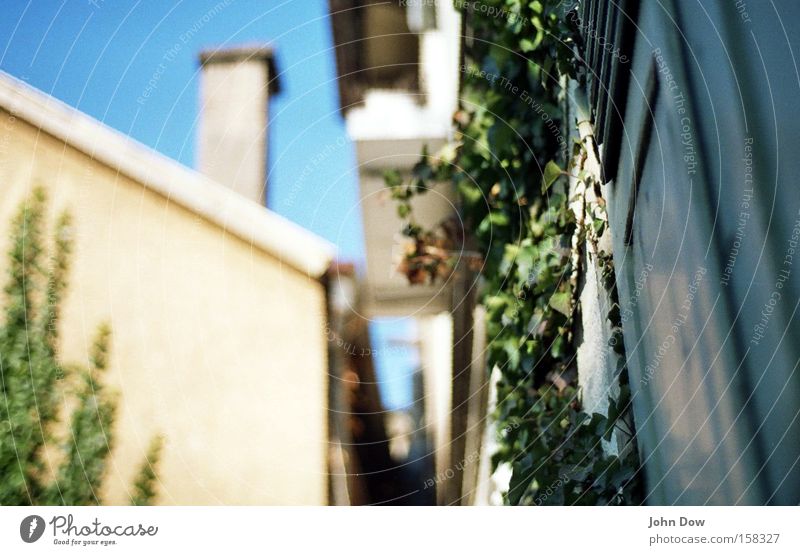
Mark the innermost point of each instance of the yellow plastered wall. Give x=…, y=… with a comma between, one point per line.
x=217, y=345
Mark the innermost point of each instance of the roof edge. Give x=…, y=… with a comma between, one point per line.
x=249, y=221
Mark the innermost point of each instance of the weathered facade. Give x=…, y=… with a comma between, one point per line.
x=694, y=105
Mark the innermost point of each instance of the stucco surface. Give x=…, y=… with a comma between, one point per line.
x=217, y=346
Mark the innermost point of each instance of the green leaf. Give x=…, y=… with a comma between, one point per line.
x=422, y=172
x=560, y=302
x=551, y=172
x=521, y=478
x=499, y=136
x=392, y=178
x=527, y=45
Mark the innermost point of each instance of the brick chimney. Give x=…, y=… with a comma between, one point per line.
x=234, y=93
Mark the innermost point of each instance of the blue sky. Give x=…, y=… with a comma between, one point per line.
x=100, y=56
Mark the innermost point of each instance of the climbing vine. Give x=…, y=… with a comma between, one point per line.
x=518, y=210
x=50, y=455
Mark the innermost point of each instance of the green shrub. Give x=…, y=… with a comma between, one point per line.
x=35, y=385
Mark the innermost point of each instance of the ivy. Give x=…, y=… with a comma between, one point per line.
x=35, y=384
x=506, y=166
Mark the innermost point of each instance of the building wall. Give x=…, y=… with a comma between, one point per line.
x=216, y=345
x=705, y=218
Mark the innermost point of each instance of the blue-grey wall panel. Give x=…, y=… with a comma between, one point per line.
x=705, y=213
